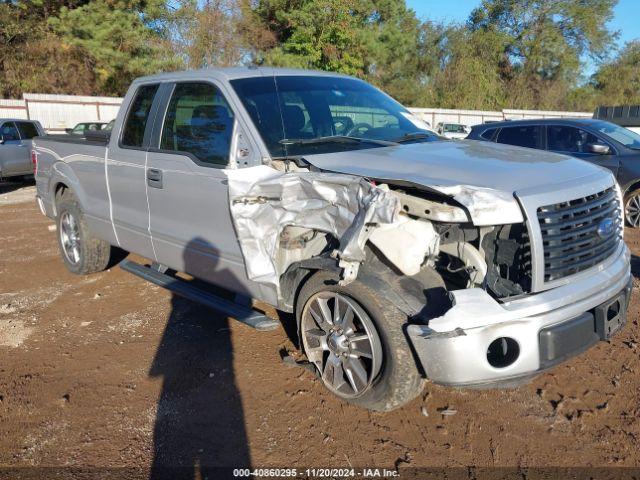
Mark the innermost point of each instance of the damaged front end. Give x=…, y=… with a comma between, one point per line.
x=457, y=261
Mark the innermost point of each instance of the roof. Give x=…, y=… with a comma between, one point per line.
x=540, y=121
x=232, y=73
x=18, y=120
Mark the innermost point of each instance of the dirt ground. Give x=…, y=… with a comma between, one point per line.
x=108, y=370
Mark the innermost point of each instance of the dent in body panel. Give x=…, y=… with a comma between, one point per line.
x=277, y=216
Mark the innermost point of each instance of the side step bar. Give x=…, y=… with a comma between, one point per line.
x=181, y=287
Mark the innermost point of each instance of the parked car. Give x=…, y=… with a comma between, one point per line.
x=83, y=127
x=15, y=146
x=455, y=131
x=603, y=143
x=109, y=126
x=488, y=262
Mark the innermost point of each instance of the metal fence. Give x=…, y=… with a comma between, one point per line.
x=57, y=112
x=475, y=117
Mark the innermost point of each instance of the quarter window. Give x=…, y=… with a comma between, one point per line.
x=27, y=130
x=569, y=139
x=136, y=122
x=526, y=136
x=199, y=121
x=488, y=133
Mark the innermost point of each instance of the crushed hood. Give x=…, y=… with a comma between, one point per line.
x=482, y=176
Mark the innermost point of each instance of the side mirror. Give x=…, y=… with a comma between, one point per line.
x=599, y=148
x=68, y=130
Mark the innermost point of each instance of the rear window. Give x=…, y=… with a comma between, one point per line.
x=525, y=136
x=136, y=122
x=27, y=130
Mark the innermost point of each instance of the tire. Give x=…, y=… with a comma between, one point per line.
x=393, y=379
x=81, y=252
x=632, y=208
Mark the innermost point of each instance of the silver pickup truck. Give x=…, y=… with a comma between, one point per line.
x=402, y=255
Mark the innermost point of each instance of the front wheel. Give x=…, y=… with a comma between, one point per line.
x=632, y=208
x=357, y=343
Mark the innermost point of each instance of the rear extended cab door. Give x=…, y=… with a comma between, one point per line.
x=125, y=166
x=198, y=135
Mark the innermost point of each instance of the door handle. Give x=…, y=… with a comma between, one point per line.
x=154, y=178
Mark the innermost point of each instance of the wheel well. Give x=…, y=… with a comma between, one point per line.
x=631, y=188
x=58, y=191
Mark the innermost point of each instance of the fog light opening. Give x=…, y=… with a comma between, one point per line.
x=613, y=311
x=502, y=352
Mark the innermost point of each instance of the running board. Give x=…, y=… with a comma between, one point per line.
x=242, y=313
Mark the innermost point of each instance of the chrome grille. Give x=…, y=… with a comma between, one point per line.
x=570, y=233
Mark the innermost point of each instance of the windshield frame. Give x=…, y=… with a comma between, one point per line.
x=270, y=95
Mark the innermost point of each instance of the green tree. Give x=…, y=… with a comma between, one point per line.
x=123, y=40
x=545, y=42
x=31, y=58
x=618, y=82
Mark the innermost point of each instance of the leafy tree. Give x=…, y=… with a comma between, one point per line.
x=31, y=59
x=544, y=42
x=318, y=34
x=618, y=82
x=120, y=38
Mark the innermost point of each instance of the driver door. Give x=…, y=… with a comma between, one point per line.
x=190, y=219
x=575, y=142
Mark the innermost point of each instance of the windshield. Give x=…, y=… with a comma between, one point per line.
x=454, y=128
x=626, y=137
x=304, y=108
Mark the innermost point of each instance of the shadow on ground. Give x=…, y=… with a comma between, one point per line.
x=199, y=423
x=8, y=186
x=635, y=266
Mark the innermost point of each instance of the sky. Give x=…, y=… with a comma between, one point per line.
x=625, y=20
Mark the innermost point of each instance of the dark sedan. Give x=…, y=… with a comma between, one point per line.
x=596, y=141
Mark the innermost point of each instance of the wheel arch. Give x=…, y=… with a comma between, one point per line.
x=634, y=185
x=63, y=178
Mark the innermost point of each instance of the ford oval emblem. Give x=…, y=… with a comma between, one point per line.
x=605, y=228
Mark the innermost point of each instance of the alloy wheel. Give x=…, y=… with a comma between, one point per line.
x=632, y=210
x=70, y=237
x=341, y=341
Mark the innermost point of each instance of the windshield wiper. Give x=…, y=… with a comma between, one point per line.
x=333, y=139
x=407, y=137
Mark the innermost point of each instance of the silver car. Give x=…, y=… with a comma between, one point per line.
x=15, y=146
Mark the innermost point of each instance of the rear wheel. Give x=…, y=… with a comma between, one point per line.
x=632, y=208
x=357, y=343
x=81, y=252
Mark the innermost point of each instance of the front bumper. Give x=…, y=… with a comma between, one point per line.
x=548, y=327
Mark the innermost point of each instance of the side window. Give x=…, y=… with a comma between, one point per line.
x=569, y=139
x=526, y=136
x=198, y=121
x=9, y=132
x=488, y=133
x=27, y=130
x=136, y=122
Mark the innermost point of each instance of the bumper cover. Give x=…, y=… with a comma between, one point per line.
x=549, y=327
